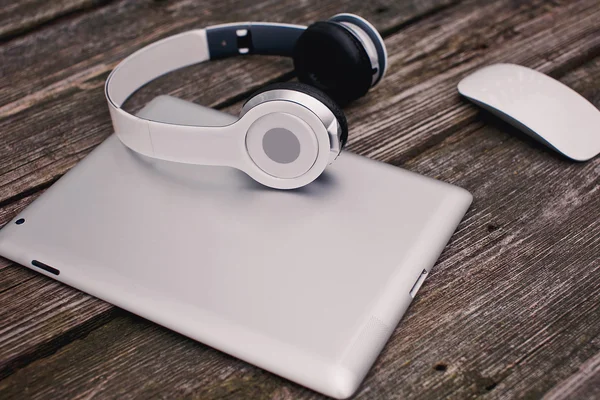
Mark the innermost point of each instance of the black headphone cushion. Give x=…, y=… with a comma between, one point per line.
x=338, y=113
x=328, y=56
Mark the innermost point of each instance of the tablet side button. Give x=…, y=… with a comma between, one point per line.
x=418, y=283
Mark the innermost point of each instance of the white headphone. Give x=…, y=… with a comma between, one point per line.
x=287, y=133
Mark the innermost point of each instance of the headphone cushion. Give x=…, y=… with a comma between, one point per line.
x=328, y=56
x=338, y=113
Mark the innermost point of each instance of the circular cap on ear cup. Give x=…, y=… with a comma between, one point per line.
x=282, y=145
x=338, y=113
x=328, y=56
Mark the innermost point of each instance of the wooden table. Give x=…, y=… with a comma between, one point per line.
x=512, y=308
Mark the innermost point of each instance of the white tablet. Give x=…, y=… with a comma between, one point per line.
x=308, y=284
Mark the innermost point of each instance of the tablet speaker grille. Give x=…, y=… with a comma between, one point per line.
x=45, y=267
x=367, y=346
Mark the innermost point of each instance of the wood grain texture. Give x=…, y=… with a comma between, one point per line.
x=509, y=311
x=55, y=314
x=18, y=17
x=91, y=44
x=583, y=384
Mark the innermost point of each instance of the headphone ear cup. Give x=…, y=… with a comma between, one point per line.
x=329, y=57
x=319, y=95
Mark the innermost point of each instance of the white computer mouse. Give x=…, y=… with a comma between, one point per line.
x=540, y=106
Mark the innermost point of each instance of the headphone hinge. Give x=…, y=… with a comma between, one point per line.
x=244, y=41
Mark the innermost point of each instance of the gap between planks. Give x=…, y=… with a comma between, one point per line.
x=46, y=13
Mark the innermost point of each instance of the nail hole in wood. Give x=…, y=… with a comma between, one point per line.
x=491, y=386
x=492, y=228
x=440, y=367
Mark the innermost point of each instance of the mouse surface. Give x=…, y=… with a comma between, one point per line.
x=540, y=106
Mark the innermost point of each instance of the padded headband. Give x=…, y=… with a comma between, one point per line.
x=154, y=139
x=197, y=46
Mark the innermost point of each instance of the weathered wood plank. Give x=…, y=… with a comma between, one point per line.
x=61, y=58
x=584, y=384
x=509, y=311
x=71, y=111
x=55, y=314
x=203, y=372
x=18, y=17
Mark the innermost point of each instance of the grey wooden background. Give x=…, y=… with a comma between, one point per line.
x=512, y=309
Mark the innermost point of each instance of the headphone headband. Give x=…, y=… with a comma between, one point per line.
x=154, y=139
x=261, y=38
x=196, y=46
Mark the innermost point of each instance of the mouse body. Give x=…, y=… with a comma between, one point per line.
x=539, y=105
